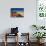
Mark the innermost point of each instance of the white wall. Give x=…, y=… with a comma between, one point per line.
x=24, y=24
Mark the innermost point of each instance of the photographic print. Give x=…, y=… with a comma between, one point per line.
x=17, y=12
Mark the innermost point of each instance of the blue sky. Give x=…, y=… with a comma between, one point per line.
x=17, y=9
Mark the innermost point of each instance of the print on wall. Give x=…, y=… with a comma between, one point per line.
x=17, y=12
x=41, y=8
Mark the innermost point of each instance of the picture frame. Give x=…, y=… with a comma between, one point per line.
x=17, y=12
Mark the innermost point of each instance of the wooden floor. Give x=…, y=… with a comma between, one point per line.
x=13, y=44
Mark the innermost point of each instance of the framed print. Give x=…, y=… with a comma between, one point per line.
x=41, y=8
x=17, y=12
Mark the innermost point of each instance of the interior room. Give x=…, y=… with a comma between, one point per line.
x=23, y=23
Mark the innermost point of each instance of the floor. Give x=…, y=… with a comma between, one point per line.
x=13, y=44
